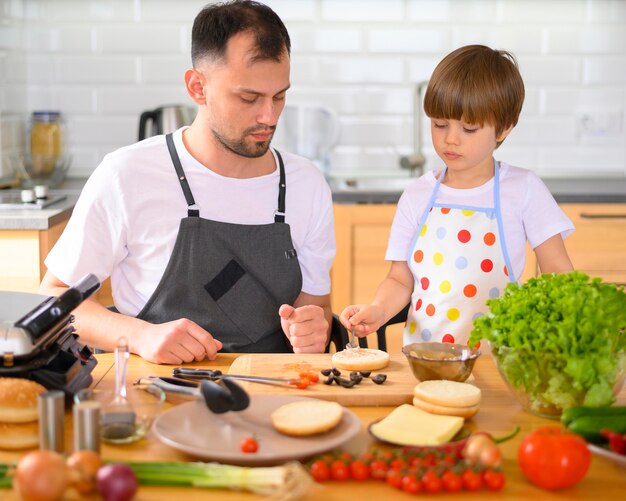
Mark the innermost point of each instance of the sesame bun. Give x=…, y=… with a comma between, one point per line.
x=448, y=393
x=18, y=400
x=442, y=410
x=360, y=359
x=15, y=436
x=307, y=417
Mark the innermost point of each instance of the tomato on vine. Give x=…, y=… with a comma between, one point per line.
x=249, y=445
x=494, y=480
x=319, y=470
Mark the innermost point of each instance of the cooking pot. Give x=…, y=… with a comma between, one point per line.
x=164, y=120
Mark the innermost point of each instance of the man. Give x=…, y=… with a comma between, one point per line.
x=213, y=241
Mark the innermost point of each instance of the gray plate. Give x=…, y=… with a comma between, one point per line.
x=195, y=430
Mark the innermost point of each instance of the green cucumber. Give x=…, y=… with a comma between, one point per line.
x=589, y=426
x=573, y=413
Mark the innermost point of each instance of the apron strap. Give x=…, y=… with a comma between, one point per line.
x=192, y=208
x=279, y=214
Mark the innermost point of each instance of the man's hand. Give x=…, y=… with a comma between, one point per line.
x=306, y=327
x=175, y=342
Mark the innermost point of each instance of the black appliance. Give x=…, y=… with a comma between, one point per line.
x=43, y=345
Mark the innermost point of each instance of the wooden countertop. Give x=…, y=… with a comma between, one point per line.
x=499, y=414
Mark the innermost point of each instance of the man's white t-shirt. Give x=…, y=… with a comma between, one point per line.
x=126, y=220
x=529, y=212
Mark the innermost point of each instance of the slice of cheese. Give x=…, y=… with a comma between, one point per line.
x=408, y=425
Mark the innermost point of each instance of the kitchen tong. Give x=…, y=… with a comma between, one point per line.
x=216, y=375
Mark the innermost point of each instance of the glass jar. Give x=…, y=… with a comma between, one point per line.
x=46, y=141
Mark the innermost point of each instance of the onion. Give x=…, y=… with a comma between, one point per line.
x=117, y=482
x=481, y=449
x=83, y=467
x=41, y=476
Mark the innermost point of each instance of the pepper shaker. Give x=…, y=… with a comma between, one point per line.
x=51, y=407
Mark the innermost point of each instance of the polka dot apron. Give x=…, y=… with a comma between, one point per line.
x=459, y=260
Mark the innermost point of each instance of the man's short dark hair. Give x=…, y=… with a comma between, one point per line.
x=217, y=23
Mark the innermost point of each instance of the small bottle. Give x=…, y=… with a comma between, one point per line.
x=51, y=406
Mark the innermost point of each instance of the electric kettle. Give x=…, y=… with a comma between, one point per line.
x=164, y=120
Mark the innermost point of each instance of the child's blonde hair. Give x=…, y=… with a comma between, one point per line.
x=478, y=85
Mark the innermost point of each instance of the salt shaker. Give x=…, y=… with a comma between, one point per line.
x=86, y=415
x=51, y=407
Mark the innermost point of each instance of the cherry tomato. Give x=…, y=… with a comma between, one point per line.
x=339, y=470
x=310, y=375
x=451, y=481
x=301, y=383
x=411, y=484
x=320, y=471
x=359, y=470
x=432, y=483
x=494, y=480
x=378, y=469
x=249, y=445
x=398, y=464
x=394, y=478
x=552, y=457
x=472, y=481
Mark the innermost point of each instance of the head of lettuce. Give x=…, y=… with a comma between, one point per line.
x=559, y=340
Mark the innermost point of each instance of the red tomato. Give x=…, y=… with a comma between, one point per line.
x=472, y=481
x=553, y=458
x=249, y=445
x=451, y=481
x=359, y=470
x=339, y=470
x=432, y=483
x=378, y=469
x=320, y=471
x=494, y=480
x=411, y=484
x=394, y=478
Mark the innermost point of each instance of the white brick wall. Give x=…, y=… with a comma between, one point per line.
x=104, y=61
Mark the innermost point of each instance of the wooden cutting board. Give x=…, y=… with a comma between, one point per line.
x=396, y=390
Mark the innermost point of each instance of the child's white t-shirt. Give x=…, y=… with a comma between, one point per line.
x=126, y=220
x=529, y=212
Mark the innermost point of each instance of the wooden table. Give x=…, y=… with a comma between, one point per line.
x=499, y=414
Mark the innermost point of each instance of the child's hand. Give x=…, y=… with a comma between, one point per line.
x=365, y=318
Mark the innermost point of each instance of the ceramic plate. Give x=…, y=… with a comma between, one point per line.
x=613, y=456
x=192, y=428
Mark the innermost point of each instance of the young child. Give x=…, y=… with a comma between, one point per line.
x=459, y=234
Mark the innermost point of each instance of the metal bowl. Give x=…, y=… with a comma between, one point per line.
x=450, y=361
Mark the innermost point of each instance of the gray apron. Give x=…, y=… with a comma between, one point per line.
x=229, y=278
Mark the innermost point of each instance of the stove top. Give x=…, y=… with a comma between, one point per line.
x=14, y=201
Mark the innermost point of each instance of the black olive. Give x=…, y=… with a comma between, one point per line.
x=348, y=383
x=336, y=371
x=355, y=376
x=379, y=378
x=326, y=372
x=365, y=373
x=329, y=379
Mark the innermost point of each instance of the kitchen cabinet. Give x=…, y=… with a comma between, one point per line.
x=598, y=246
x=22, y=255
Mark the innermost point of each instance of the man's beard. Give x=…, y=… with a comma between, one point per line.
x=242, y=148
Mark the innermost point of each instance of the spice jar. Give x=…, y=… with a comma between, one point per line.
x=46, y=141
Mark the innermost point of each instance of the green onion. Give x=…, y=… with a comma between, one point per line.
x=5, y=478
x=286, y=482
